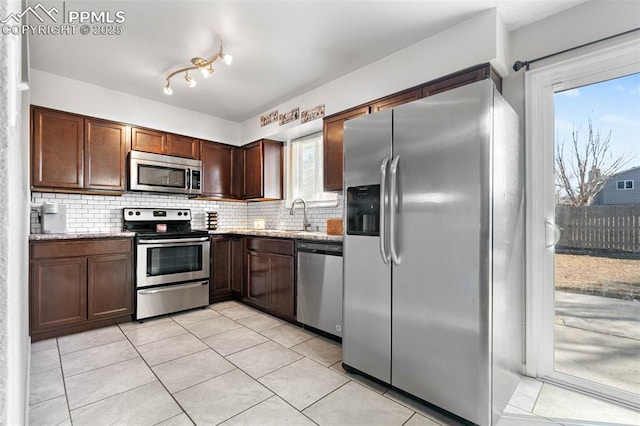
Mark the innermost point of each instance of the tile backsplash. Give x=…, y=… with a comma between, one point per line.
x=99, y=213
x=276, y=215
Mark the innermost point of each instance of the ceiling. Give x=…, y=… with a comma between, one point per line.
x=280, y=49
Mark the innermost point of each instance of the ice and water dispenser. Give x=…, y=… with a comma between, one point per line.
x=363, y=210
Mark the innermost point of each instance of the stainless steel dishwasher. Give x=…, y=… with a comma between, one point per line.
x=320, y=285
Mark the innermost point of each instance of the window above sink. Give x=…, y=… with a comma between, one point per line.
x=304, y=172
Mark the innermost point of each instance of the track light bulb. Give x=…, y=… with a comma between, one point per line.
x=167, y=88
x=190, y=81
x=206, y=72
x=227, y=58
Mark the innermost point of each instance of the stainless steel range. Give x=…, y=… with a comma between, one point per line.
x=172, y=261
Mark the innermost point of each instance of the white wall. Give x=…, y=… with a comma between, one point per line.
x=54, y=91
x=14, y=190
x=478, y=40
x=582, y=24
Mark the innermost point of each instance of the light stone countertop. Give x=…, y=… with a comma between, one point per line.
x=80, y=235
x=298, y=235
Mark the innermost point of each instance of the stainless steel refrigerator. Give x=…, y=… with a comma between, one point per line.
x=433, y=250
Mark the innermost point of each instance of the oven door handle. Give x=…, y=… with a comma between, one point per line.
x=172, y=288
x=174, y=240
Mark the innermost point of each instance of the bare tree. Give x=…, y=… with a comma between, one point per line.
x=581, y=176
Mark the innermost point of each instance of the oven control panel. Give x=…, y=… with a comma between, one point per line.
x=159, y=215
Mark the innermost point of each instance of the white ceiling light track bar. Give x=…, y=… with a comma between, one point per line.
x=204, y=65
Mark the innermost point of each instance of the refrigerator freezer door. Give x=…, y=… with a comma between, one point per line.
x=441, y=292
x=366, y=339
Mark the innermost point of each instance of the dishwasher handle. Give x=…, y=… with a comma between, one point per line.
x=319, y=248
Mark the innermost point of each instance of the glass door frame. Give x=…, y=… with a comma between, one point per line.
x=607, y=60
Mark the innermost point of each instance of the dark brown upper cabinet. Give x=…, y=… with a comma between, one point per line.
x=237, y=173
x=148, y=140
x=461, y=78
x=105, y=153
x=263, y=170
x=57, y=150
x=396, y=100
x=157, y=142
x=182, y=146
x=217, y=170
x=333, y=137
x=71, y=153
x=333, y=126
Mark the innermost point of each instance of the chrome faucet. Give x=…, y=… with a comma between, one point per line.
x=305, y=222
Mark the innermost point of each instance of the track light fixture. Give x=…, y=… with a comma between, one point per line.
x=204, y=65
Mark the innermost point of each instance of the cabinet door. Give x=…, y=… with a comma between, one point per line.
x=237, y=265
x=57, y=141
x=396, y=100
x=110, y=289
x=182, y=146
x=333, y=135
x=221, y=265
x=237, y=173
x=282, y=292
x=216, y=170
x=253, y=187
x=105, y=153
x=148, y=141
x=258, y=277
x=58, y=292
x=460, y=79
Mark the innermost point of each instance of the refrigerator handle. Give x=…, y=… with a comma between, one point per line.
x=393, y=169
x=383, y=210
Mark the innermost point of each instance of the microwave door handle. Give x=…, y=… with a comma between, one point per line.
x=188, y=179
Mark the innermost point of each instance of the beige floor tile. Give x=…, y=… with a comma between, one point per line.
x=353, y=404
x=419, y=407
x=85, y=388
x=45, y=360
x=260, y=322
x=126, y=326
x=89, y=339
x=263, y=359
x=272, y=412
x=195, y=315
x=303, y=382
x=221, y=398
x=144, y=405
x=179, y=420
x=43, y=345
x=375, y=386
x=206, y=328
x=192, y=369
x=46, y=385
x=325, y=351
x=153, y=333
x=101, y=356
x=160, y=351
x=238, y=312
x=221, y=306
x=572, y=408
x=418, y=420
x=50, y=413
x=288, y=335
x=235, y=340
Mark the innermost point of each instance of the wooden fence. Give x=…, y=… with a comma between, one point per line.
x=612, y=227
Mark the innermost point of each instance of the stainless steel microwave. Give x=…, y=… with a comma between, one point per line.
x=164, y=173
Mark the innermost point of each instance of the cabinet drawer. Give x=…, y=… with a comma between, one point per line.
x=72, y=248
x=269, y=245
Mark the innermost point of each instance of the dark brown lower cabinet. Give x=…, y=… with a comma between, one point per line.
x=77, y=285
x=270, y=275
x=227, y=256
